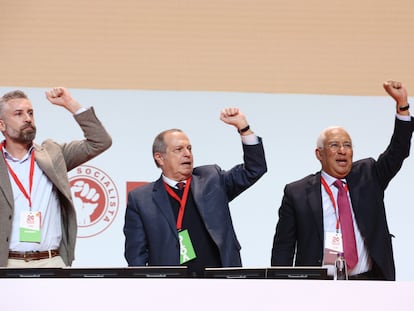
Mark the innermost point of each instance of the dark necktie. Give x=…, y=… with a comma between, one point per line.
x=347, y=226
x=180, y=185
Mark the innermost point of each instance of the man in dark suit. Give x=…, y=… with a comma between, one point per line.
x=37, y=215
x=309, y=225
x=166, y=226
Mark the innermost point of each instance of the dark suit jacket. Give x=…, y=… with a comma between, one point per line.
x=56, y=160
x=150, y=225
x=299, y=231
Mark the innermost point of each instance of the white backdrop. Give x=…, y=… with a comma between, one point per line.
x=289, y=125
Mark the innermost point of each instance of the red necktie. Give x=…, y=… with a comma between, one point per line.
x=347, y=226
x=180, y=185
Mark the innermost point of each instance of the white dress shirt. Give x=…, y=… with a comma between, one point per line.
x=44, y=199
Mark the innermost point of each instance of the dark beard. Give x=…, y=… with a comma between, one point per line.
x=26, y=136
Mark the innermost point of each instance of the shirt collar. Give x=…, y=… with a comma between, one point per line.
x=170, y=182
x=329, y=179
x=9, y=157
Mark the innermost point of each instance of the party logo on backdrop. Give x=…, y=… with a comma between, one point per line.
x=96, y=200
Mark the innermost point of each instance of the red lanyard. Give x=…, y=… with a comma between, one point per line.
x=16, y=179
x=329, y=191
x=182, y=201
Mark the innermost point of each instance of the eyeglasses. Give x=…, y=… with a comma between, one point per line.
x=335, y=146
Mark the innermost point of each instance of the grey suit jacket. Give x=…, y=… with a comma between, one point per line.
x=56, y=160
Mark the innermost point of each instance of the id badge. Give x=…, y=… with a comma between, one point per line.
x=187, y=252
x=333, y=246
x=30, y=226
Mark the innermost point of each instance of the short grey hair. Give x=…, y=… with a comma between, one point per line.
x=159, y=145
x=9, y=96
x=320, y=142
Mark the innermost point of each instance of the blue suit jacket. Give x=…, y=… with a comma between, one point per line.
x=299, y=232
x=150, y=225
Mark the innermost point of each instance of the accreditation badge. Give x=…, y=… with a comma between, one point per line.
x=333, y=246
x=30, y=226
x=187, y=252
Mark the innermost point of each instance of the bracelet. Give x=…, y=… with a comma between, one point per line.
x=404, y=108
x=244, y=129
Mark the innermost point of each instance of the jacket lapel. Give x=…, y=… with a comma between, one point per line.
x=197, y=192
x=5, y=185
x=354, y=187
x=315, y=202
x=45, y=163
x=162, y=202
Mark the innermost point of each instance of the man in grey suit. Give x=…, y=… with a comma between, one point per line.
x=37, y=216
x=170, y=225
x=310, y=225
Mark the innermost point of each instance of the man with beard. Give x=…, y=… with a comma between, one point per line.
x=183, y=218
x=37, y=216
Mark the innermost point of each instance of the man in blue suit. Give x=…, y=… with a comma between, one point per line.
x=310, y=224
x=170, y=225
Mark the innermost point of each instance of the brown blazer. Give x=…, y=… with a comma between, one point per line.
x=56, y=160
